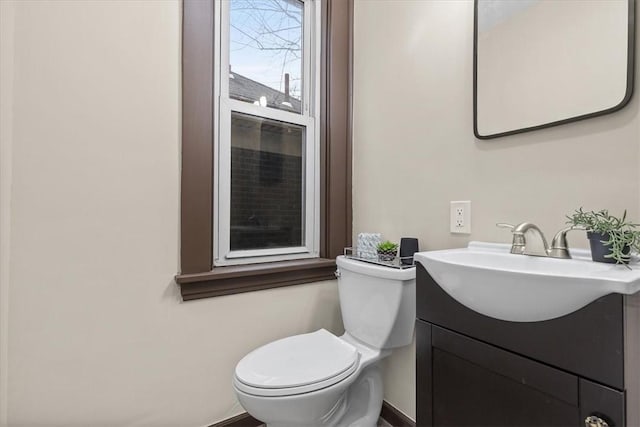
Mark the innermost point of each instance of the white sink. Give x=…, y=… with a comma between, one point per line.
x=488, y=279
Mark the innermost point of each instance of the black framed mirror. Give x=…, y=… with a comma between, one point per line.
x=542, y=63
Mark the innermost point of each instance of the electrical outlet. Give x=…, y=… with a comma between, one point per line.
x=460, y=217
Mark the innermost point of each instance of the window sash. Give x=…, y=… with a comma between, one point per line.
x=223, y=108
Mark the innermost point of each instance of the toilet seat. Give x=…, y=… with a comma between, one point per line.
x=297, y=364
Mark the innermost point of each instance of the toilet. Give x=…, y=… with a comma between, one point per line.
x=320, y=379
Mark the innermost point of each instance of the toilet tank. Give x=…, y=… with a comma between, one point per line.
x=378, y=303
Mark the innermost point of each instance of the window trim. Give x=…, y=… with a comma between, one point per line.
x=198, y=277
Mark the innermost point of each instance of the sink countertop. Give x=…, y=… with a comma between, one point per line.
x=487, y=278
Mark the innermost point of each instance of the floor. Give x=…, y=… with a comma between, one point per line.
x=381, y=423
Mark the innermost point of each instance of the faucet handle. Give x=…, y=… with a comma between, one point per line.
x=505, y=225
x=518, y=243
x=559, y=246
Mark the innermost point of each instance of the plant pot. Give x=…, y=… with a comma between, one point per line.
x=386, y=256
x=599, y=250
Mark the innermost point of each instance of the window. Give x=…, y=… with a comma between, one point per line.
x=266, y=154
x=266, y=191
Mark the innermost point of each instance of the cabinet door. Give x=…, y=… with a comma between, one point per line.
x=475, y=384
x=601, y=402
x=465, y=382
x=424, y=375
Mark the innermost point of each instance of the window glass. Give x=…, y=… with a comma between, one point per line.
x=267, y=182
x=265, y=58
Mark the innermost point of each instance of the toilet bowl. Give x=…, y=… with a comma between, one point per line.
x=319, y=379
x=306, y=380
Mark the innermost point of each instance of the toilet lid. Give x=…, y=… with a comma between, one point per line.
x=296, y=361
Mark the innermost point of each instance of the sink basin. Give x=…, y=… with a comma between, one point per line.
x=488, y=279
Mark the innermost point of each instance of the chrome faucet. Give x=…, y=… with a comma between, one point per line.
x=559, y=247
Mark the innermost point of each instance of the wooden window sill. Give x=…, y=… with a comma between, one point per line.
x=246, y=278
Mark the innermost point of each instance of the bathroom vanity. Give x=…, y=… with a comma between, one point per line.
x=579, y=369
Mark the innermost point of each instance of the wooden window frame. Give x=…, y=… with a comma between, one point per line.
x=198, y=278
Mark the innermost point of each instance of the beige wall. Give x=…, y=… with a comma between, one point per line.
x=6, y=127
x=93, y=331
x=414, y=149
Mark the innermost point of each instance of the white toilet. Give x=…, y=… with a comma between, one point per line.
x=319, y=379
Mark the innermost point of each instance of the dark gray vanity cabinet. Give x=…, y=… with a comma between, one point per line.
x=473, y=370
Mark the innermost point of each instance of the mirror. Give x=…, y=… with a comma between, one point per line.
x=541, y=63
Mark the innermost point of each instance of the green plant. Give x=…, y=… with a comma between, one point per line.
x=387, y=251
x=387, y=247
x=622, y=234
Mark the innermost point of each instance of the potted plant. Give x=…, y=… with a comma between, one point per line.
x=611, y=238
x=387, y=250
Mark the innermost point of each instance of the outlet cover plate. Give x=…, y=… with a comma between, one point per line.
x=460, y=217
